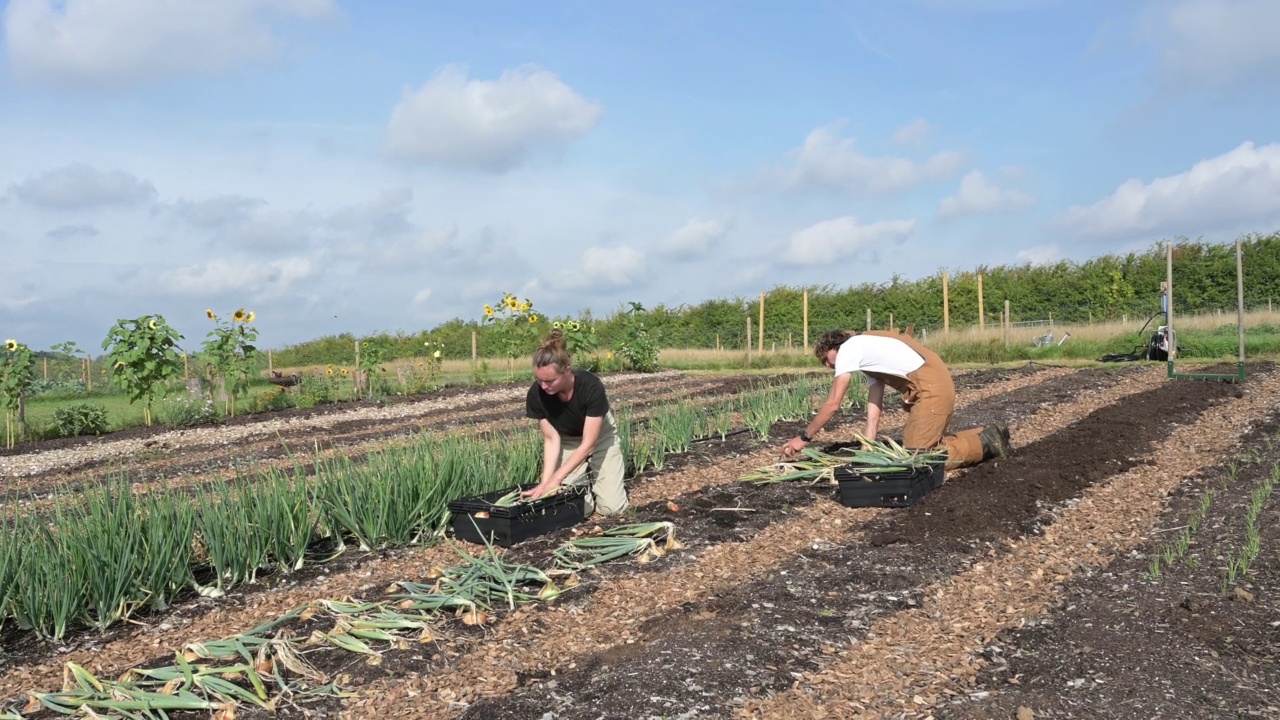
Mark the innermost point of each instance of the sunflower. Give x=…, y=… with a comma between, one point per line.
x=344, y=372
x=608, y=355
x=513, y=303
x=488, y=311
x=524, y=306
x=533, y=318
x=152, y=324
x=329, y=371
x=252, y=316
x=11, y=345
x=556, y=325
x=437, y=354
x=239, y=315
x=209, y=314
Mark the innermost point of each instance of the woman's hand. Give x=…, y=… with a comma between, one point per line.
x=543, y=487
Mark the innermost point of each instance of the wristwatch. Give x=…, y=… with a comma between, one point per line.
x=804, y=435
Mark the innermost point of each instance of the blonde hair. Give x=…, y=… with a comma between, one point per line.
x=552, y=351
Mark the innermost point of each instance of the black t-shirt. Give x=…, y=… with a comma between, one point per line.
x=569, y=417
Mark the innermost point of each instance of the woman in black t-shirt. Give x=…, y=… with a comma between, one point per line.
x=579, y=436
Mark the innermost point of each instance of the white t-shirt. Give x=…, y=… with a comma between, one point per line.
x=873, y=353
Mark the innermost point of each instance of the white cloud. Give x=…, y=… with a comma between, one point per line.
x=80, y=186
x=695, y=239
x=1206, y=44
x=491, y=125
x=832, y=240
x=1240, y=187
x=828, y=161
x=68, y=232
x=112, y=42
x=979, y=195
x=612, y=267
x=236, y=275
x=218, y=212
x=912, y=134
x=420, y=297
x=1040, y=254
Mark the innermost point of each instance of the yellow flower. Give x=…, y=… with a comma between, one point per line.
x=209, y=314
x=488, y=311
x=556, y=325
x=329, y=371
x=437, y=354
x=11, y=345
x=239, y=315
x=609, y=355
x=344, y=372
x=513, y=303
x=119, y=363
x=252, y=316
x=533, y=318
x=152, y=324
x=524, y=306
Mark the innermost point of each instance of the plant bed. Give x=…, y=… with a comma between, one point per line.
x=478, y=519
x=872, y=487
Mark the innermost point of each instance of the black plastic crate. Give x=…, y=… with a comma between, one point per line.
x=506, y=526
x=868, y=487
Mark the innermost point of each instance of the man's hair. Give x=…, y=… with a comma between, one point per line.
x=830, y=340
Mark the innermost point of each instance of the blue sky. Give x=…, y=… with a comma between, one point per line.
x=361, y=167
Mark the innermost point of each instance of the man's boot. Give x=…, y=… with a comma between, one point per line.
x=995, y=442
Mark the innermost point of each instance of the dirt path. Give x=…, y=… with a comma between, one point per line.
x=750, y=638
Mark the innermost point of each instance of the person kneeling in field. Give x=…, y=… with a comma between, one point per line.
x=929, y=396
x=579, y=435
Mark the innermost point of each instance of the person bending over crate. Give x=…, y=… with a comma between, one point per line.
x=929, y=396
x=579, y=436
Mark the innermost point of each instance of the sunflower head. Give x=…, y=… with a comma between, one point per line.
x=533, y=318
x=556, y=325
x=252, y=316
x=11, y=345
x=437, y=354
x=209, y=314
x=344, y=372
x=152, y=324
x=239, y=315
x=488, y=311
x=524, y=306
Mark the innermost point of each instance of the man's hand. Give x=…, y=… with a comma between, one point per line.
x=793, y=447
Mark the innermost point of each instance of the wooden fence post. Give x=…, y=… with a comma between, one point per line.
x=1008, y=320
x=717, y=342
x=474, y=356
x=760, y=346
x=806, y=319
x=946, y=306
x=186, y=368
x=868, y=318
x=88, y=373
x=748, y=339
x=890, y=322
x=271, y=362
x=46, y=368
x=982, y=314
x=355, y=372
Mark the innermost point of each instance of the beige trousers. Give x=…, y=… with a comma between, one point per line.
x=602, y=472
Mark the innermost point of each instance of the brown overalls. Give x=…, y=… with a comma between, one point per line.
x=929, y=397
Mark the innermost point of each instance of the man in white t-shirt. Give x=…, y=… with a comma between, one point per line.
x=929, y=396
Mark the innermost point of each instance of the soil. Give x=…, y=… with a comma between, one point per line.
x=1021, y=587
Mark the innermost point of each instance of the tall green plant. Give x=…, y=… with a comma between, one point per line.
x=514, y=326
x=637, y=348
x=230, y=351
x=17, y=372
x=143, y=356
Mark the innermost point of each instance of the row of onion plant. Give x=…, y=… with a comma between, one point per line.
x=115, y=553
